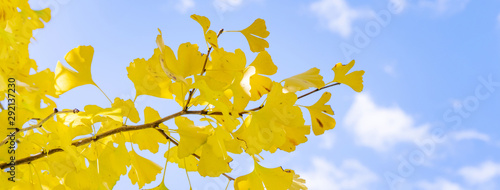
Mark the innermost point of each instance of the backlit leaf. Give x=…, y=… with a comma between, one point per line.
x=319, y=118
x=353, y=79
x=80, y=59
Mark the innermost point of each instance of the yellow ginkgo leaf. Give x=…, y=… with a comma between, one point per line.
x=240, y=94
x=190, y=163
x=113, y=161
x=161, y=186
x=211, y=38
x=353, y=79
x=255, y=34
x=61, y=164
x=216, y=97
x=159, y=41
x=270, y=178
x=93, y=112
x=151, y=115
x=305, y=80
x=261, y=85
x=192, y=137
x=149, y=139
x=190, y=61
x=214, y=158
x=180, y=90
x=298, y=183
x=143, y=170
x=253, y=86
x=73, y=179
x=80, y=59
x=210, y=35
x=279, y=124
x=264, y=64
x=164, y=56
x=203, y=21
x=319, y=118
x=128, y=109
x=44, y=81
x=149, y=78
x=224, y=65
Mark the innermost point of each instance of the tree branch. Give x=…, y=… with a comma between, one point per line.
x=39, y=124
x=203, y=70
x=318, y=89
x=93, y=138
x=125, y=128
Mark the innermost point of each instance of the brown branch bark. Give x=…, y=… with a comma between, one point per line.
x=203, y=70
x=318, y=89
x=39, y=124
x=125, y=128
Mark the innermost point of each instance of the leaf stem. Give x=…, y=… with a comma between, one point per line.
x=185, y=167
x=104, y=94
x=228, y=182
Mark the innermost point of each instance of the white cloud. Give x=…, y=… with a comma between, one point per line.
x=444, y=7
x=349, y=175
x=327, y=140
x=227, y=5
x=184, y=5
x=381, y=127
x=470, y=135
x=480, y=174
x=338, y=16
x=441, y=184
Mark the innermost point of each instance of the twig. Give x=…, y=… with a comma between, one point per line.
x=318, y=89
x=39, y=124
x=203, y=70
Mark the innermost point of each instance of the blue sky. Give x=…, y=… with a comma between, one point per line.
x=428, y=115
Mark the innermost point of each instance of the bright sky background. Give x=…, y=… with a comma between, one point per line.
x=427, y=118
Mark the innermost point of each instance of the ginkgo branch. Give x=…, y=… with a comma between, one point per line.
x=125, y=128
x=203, y=70
x=97, y=137
x=39, y=124
x=318, y=89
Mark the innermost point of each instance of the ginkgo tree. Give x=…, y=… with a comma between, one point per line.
x=67, y=148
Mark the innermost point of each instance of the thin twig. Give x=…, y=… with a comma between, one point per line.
x=318, y=89
x=39, y=124
x=104, y=94
x=203, y=70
